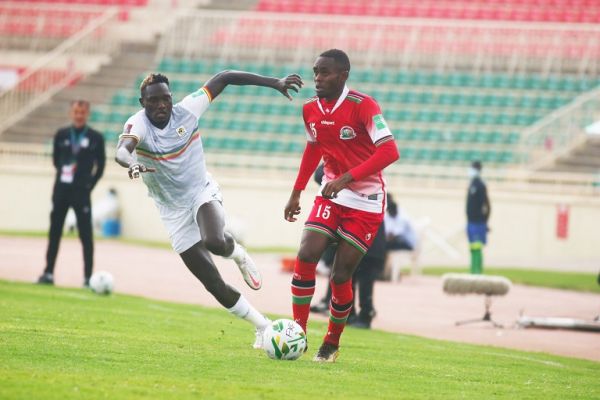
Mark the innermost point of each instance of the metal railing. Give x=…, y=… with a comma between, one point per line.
x=443, y=45
x=560, y=131
x=57, y=69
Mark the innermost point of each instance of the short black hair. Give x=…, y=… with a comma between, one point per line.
x=151, y=79
x=81, y=103
x=477, y=165
x=340, y=58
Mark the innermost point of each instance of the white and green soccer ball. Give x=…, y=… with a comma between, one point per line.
x=284, y=339
x=102, y=282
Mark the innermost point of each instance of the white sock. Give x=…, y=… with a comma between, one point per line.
x=238, y=252
x=244, y=310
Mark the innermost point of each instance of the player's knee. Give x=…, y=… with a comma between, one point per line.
x=308, y=255
x=339, y=277
x=216, y=245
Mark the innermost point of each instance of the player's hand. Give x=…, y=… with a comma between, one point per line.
x=331, y=189
x=290, y=82
x=292, y=207
x=136, y=169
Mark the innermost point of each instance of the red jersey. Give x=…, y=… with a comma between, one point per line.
x=348, y=133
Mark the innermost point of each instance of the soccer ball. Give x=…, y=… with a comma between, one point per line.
x=284, y=339
x=102, y=282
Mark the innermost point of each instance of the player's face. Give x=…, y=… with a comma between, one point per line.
x=79, y=114
x=329, y=78
x=157, y=102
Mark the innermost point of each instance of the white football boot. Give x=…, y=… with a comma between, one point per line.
x=248, y=269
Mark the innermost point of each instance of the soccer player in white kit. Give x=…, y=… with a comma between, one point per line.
x=162, y=142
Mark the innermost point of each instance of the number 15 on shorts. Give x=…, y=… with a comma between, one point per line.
x=323, y=211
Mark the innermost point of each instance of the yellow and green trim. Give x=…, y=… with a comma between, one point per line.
x=157, y=156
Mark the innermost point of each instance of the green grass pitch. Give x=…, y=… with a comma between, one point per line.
x=58, y=343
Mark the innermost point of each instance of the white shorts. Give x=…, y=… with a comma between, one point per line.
x=181, y=223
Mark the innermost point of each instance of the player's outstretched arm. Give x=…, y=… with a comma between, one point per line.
x=219, y=82
x=124, y=157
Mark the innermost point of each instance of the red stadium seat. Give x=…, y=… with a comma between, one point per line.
x=574, y=11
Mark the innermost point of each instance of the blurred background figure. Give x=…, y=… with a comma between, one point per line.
x=478, y=213
x=105, y=216
x=400, y=236
x=79, y=158
x=370, y=267
x=400, y=232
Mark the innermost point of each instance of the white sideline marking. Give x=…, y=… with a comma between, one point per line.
x=524, y=358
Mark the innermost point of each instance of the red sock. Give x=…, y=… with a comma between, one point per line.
x=341, y=305
x=303, y=288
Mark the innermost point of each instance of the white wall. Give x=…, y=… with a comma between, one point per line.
x=522, y=226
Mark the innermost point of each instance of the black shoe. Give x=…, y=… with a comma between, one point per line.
x=361, y=324
x=86, y=283
x=46, y=279
x=321, y=308
x=327, y=353
x=351, y=319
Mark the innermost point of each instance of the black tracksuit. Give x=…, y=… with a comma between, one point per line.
x=366, y=273
x=79, y=159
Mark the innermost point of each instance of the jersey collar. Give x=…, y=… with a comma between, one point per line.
x=338, y=103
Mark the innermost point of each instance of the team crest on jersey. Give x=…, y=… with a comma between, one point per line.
x=180, y=131
x=347, y=133
x=368, y=237
x=128, y=128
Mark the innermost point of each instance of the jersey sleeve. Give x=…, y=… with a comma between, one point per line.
x=374, y=122
x=198, y=102
x=134, y=128
x=309, y=127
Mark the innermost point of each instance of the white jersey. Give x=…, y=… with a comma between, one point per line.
x=175, y=151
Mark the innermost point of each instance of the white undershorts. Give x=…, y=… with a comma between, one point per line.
x=181, y=223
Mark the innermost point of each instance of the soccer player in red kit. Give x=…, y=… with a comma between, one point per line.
x=346, y=129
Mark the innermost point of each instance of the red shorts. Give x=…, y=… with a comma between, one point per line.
x=357, y=227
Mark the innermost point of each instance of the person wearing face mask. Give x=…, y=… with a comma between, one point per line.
x=79, y=158
x=478, y=214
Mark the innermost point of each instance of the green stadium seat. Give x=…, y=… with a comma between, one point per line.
x=297, y=147
x=167, y=65
x=493, y=101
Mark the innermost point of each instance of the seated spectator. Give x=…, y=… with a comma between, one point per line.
x=399, y=230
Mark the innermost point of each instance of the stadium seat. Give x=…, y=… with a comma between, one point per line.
x=575, y=11
x=436, y=117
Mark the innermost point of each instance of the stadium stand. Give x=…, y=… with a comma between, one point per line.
x=451, y=91
x=573, y=11
x=439, y=118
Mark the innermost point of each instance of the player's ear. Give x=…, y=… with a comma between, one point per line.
x=141, y=99
x=345, y=75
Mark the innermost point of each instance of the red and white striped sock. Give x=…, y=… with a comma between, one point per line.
x=341, y=305
x=303, y=289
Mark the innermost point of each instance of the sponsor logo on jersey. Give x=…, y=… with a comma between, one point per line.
x=327, y=122
x=368, y=237
x=379, y=122
x=180, y=131
x=347, y=133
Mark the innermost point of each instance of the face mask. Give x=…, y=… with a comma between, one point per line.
x=473, y=172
